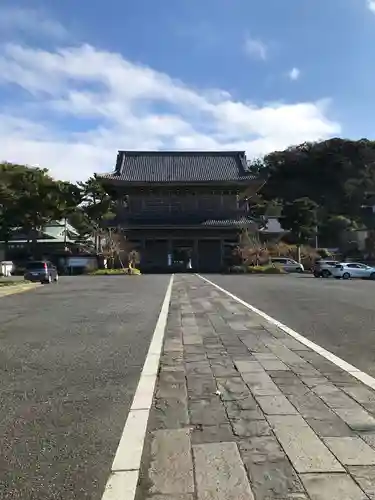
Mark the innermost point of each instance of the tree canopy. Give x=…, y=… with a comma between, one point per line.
x=338, y=175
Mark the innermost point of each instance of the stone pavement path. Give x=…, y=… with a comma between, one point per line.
x=242, y=411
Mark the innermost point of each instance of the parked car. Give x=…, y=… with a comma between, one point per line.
x=347, y=270
x=41, y=270
x=323, y=268
x=289, y=265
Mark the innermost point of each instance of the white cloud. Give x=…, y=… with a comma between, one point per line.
x=294, y=74
x=26, y=21
x=75, y=107
x=255, y=48
x=371, y=5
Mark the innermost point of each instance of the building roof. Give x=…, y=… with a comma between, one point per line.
x=180, y=166
x=197, y=221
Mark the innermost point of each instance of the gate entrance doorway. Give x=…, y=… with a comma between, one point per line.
x=181, y=258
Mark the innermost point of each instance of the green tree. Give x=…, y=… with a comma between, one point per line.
x=300, y=218
x=30, y=198
x=336, y=174
x=97, y=206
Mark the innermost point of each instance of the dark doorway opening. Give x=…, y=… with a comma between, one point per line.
x=182, y=256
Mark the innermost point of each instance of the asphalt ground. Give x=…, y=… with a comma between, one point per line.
x=337, y=315
x=70, y=360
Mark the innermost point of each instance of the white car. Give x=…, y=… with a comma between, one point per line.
x=289, y=265
x=347, y=270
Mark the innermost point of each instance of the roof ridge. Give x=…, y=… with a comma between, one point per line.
x=175, y=152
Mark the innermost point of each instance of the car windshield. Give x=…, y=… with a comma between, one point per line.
x=35, y=265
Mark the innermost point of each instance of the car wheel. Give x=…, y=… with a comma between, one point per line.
x=372, y=276
x=299, y=270
x=345, y=276
x=56, y=278
x=316, y=274
x=326, y=273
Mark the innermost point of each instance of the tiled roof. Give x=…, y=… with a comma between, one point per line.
x=176, y=166
x=240, y=221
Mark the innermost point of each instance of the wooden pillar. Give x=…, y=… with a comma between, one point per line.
x=221, y=253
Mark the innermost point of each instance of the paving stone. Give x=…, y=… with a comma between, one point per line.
x=341, y=378
x=365, y=477
x=261, y=384
x=294, y=345
x=276, y=365
x=285, y=354
x=200, y=386
x=171, y=390
x=232, y=389
x=171, y=377
x=223, y=367
x=330, y=428
x=237, y=351
x=194, y=358
x=194, y=349
x=172, y=362
x=273, y=480
x=235, y=413
x=310, y=406
x=332, y=487
x=283, y=375
x=251, y=428
x=260, y=449
x=247, y=403
x=224, y=371
x=171, y=467
x=369, y=438
x=220, y=474
x=304, y=369
x=173, y=345
x=238, y=326
x=291, y=386
x=312, y=382
x=221, y=433
x=276, y=405
x=357, y=419
x=169, y=413
x=351, y=450
x=192, y=339
x=334, y=397
x=247, y=366
x=198, y=368
x=207, y=412
x=303, y=447
x=169, y=497
x=254, y=344
x=265, y=356
x=360, y=393
x=216, y=353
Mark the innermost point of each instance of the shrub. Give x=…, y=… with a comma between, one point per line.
x=115, y=272
x=237, y=269
x=265, y=270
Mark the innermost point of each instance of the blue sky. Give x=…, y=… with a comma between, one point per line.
x=78, y=82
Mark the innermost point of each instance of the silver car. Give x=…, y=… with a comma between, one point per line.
x=289, y=265
x=347, y=270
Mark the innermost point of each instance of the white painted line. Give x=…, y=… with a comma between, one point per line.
x=129, y=452
x=122, y=483
x=145, y=392
x=355, y=372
